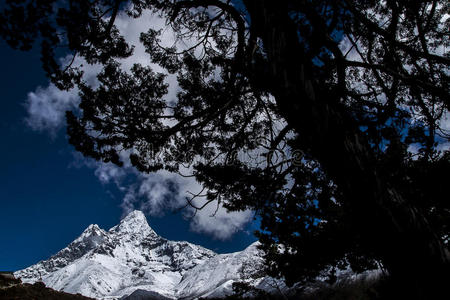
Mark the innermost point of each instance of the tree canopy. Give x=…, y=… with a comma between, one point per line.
x=328, y=118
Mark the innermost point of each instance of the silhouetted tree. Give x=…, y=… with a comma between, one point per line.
x=326, y=117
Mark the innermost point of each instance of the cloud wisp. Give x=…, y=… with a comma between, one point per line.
x=46, y=108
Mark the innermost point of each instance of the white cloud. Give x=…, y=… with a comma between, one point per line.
x=444, y=122
x=161, y=192
x=220, y=224
x=108, y=172
x=155, y=193
x=443, y=146
x=46, y=108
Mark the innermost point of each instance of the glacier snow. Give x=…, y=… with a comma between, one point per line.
x=131, y=257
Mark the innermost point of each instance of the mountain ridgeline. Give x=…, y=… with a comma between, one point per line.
x=131, y=258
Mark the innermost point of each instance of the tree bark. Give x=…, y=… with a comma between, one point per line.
x=388, y=224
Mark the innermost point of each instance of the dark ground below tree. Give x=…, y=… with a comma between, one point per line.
x=12, y=289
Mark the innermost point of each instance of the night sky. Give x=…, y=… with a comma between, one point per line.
x=47, y=197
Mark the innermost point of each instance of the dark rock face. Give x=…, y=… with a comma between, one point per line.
x=7, y=279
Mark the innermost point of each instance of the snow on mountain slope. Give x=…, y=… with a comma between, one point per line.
x=114, y=263
x=215, y=277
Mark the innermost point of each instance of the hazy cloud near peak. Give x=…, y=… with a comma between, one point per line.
x=218, y=222
x=161, y=192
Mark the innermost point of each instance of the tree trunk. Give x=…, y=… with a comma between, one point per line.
x=388, y=225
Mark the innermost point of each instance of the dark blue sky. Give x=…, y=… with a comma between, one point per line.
x=46, y=202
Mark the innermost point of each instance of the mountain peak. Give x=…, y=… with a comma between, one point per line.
x=91, y=232
x=135, y=214
x=134, y=222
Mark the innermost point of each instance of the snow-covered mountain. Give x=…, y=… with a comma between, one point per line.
x=215, y=277
x=132, y=258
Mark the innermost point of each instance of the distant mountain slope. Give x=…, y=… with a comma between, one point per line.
x=215, y=277
x=131, y=256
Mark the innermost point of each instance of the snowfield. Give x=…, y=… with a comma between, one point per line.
x=131, y=256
